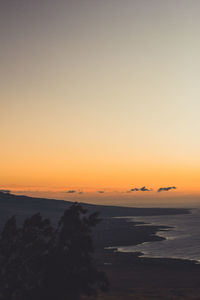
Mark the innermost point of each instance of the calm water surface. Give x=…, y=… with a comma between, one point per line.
x=182, y=241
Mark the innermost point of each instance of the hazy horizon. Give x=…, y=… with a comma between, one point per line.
x=117, y=198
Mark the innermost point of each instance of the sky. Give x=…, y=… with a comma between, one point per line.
x=100, y=96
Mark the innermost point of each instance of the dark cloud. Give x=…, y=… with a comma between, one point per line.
x=161, y=189
x=101, y=192
x=142, y=189
x=71, y=192
x=134, y=190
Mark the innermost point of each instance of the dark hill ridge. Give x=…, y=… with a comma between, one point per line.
x=23, y=206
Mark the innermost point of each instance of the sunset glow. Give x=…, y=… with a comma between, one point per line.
x=100, y=96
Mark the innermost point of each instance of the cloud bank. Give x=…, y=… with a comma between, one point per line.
x=142, y=189
x=166, y=189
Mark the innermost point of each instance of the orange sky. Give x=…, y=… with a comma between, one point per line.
x=100, y=96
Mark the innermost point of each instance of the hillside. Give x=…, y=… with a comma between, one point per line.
x=23, y=206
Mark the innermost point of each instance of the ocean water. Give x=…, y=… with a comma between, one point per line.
x=182, y=241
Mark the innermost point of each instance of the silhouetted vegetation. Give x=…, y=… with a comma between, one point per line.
x=39, y=261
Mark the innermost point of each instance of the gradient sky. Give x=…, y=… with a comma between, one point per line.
x=100, y=94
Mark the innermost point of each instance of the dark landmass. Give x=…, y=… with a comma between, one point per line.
x=114, y=232
x=131, y=276
x=110, y=232
x=23, y=206
x=138, y=278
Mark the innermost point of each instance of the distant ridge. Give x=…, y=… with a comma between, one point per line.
x=23, y=206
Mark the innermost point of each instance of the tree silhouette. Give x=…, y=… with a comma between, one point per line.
x=38, y=261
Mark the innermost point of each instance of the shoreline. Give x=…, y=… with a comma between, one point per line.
x=118, y=232
x=123, y=233
x=114, y=231
x=133, y=276
x=157, y=236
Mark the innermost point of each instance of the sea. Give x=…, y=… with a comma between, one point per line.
x=182, y=241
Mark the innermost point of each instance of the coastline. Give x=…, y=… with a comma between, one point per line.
x=118, y=232
x=178, y=238
x=133, y=276
x=115, y=229
x=133, y=233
